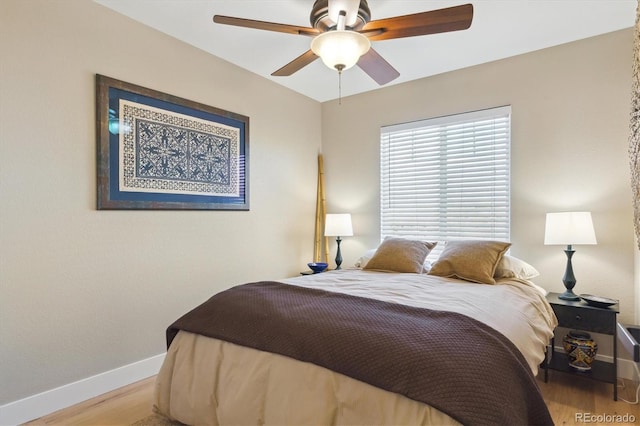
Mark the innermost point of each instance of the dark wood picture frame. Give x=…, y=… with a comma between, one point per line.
x=161, y=152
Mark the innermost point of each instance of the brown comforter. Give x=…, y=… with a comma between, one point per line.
x=447, y=360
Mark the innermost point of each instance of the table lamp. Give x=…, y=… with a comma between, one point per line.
x=338, y=225
x=569, y=228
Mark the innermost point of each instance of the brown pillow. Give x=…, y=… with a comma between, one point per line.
x=474, y=261
x=400, y=255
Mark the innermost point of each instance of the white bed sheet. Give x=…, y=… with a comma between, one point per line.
x=516, y=308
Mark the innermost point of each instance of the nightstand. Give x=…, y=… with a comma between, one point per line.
x=578, y=315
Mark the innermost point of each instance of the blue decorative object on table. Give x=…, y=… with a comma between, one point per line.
x=317, y=267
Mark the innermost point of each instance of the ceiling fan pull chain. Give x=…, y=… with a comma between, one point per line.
x=339, y=87
x=339, y=68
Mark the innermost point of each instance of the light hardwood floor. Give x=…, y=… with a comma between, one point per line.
x=566, y=395
x=122, y=406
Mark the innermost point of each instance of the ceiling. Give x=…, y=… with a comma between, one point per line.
x=500, y=29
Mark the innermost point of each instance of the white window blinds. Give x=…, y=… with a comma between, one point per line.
x=447, y=178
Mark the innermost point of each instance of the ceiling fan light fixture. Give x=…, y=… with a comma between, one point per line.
x=340, y=49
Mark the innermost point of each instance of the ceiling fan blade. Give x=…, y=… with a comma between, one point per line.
x=349, y=6
x=263, y=25
x=432, y=22
x=377, y=67
x=297, y=64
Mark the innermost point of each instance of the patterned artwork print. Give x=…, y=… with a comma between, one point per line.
x=169, y=152
x=163, y=151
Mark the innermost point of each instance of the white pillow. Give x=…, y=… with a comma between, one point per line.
x=512, y=267
x=365, y=258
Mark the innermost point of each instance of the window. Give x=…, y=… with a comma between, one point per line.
x=447, y=178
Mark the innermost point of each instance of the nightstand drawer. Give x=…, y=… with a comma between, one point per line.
x=596, y=320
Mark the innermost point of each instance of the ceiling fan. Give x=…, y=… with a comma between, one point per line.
x=342, y=33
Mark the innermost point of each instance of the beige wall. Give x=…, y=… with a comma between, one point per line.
x=570, y=121
x=85, y=291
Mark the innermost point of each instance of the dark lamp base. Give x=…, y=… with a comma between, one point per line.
x=568, y=295
x=569, y=280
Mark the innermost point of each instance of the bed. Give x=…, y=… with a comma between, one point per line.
x=372, y=345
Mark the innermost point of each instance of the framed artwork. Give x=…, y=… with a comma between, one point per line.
x=158, y=151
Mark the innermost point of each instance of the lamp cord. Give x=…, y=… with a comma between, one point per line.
x=637, y=392
x=637, y=389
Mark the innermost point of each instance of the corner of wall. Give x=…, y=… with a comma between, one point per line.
x=636, y=275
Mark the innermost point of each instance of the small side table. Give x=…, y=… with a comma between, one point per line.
x=578, y=315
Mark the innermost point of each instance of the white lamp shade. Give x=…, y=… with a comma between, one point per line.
x=569, y=228
x=338, y=225
x=340, y=49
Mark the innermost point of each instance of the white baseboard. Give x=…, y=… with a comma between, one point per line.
x=47, y=402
